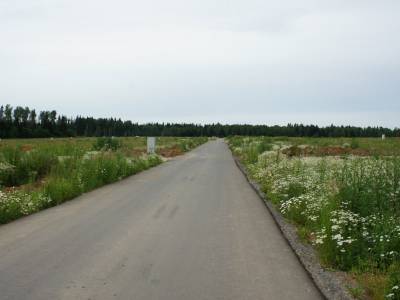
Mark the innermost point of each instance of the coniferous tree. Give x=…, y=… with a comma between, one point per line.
x=24, y=122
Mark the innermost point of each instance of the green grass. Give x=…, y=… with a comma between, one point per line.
x=375, y=146
x=347, y=206
x=40, y=173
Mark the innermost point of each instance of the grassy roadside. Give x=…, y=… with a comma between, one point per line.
x=344, y=198
x=40, y=173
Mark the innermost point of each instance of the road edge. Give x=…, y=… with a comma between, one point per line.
x=330, y=286
x=162, y=161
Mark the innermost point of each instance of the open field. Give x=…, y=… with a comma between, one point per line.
x=39, y=173
x=344, y=197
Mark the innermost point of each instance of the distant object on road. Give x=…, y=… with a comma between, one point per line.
x=151, y=145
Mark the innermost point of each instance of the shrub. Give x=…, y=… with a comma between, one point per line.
x=72, y=177
x=354, y=144
x=393, y=289
x=20, y=167
x=107, y=143
x=60, y=189
x=15, y=204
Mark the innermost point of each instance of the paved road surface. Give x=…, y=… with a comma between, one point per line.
x=191, y=228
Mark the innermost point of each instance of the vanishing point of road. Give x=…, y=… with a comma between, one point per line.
x=191, y=228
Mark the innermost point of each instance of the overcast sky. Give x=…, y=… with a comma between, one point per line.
x=228, y=61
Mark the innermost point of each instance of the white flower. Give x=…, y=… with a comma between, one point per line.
x=337, y=237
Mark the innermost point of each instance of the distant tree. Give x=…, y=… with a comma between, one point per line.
x=32, y=118
x=8, y=114
x=23, y=122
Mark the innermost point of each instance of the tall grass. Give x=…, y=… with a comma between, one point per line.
x=24, y=167
x=39, y=174
x=75, y=176
x=348, y=208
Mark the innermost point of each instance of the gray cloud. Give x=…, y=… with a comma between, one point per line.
x=200, y=61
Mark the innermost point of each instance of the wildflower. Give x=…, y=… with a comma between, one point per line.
x=337, y=237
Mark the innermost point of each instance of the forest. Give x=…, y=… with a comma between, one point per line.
x=23, y=122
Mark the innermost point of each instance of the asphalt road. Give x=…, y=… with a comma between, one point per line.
x=191, y=228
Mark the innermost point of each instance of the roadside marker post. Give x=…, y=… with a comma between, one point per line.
x=151, y=145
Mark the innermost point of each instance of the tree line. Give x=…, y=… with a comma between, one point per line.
x=23, y=122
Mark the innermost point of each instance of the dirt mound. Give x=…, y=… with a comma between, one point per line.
x=136, y=152
x=170, y=152
x=324, y=151
x=165, y=152
x=26, y=148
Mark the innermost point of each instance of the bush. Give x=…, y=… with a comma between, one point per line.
x=20, y=167
x=393, y=289
x=75, y=176
x=15, y=204
x=107, y=143
x=61, y=189
x=354, y=144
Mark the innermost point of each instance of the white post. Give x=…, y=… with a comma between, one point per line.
x=151, y=145
x=383, y=137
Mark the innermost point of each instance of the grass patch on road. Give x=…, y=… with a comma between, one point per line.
x=39, y=173
x=344, y=197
